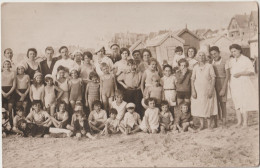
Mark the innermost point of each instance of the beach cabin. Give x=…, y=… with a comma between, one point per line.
x=223, y=42
x=137, y=46
x=191, y=39
x=163, y=46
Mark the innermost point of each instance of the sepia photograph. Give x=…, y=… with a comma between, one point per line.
x=130, y=84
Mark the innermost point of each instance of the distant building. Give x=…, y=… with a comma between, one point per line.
x=191, y=39
x=163, y=46
x=128, y=39
x=137, y=45
x=243, y=26
x=223, y=42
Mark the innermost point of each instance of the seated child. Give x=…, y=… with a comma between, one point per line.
x=31, y=129
x=19, y=116
x=119, y=105
x=131, y=120
x=112, y=124
x=97, y=117
x=6, y=126
x=79, y=124
x=184, y=120
x=61, y=118
x=38, y=116
x=150, y=121
x=166, y=119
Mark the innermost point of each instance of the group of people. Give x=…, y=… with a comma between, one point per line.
x=84, y=94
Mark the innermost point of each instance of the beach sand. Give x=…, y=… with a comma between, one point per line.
x=223, y=147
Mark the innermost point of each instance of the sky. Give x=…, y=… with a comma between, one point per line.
x=26, y=25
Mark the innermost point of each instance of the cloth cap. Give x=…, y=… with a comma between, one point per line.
x=130, y=105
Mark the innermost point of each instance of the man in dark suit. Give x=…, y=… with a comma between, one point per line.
x=48, y=64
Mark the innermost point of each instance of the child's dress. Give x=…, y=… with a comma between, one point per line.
x=37, y=92
x=168, y=84
x=131, y=120
x=49, y=97
x=76, y=90
x=108, y=88
x=65, y=87
x=120, y=109
x=155, y=92
x=148, y=80
x=153, y=119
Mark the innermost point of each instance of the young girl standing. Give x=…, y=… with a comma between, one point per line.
x=107, y=86
x=32, y=65
x=22, y=86
x=92, y=90
x=191, y=53
x=168, y=82
x=147, y=76
x=75, y=87
x=49, y=94
x=63, y=84
x=8, y=86
x=37, y=88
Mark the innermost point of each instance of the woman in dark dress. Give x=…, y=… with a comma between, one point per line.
x=31, y=65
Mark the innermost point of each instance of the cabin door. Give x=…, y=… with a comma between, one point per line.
x=170, y=54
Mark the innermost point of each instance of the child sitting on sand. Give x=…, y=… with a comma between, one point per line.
x=166, y=119
x=6, y=127
x=61, y=118
x=119, y=105
x=184, y=120
x=19, y=116
x=112, y=124
x=131, y=120
x=97, y=117
x=31, y=129
x=150, y=121
x=79, y=124
x=39, y=116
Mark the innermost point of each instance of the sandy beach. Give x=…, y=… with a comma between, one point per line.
x=219, y=147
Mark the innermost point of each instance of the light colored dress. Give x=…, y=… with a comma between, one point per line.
x=168, y=84
x=153, y=119
x=203, y=106
x=121, y=109
x=192, y=63
x=243, y=93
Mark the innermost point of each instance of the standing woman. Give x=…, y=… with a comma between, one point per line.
x=204, y=100
x=101, y=58
x=242, y=90
x=191, y=53
x=78, y=58
x=121, y=66
x=146, y=56
x=31, y=65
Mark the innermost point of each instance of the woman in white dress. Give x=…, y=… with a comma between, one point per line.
x=203, y=100
x=243, y=92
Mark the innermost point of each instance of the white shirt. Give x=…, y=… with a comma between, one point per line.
x=131, y=119
x=176, y=58
x=120, y=109
x=68, y=63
